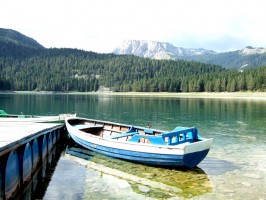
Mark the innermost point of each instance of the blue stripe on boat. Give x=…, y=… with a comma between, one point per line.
x=189, y=160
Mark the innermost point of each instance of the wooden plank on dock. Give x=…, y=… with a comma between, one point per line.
x=10, y=132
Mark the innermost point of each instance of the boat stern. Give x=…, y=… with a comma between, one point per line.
x=196, y=152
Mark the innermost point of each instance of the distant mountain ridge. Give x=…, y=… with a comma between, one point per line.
x=158, y=50
x=247, y=57
x=14, y=37
x=251, y=50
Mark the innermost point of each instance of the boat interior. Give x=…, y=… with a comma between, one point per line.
x=136, y=134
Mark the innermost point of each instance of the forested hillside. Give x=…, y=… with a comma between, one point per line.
x=27, y=68
x=11, y=36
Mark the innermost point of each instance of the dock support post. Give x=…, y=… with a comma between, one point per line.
x=12, y=175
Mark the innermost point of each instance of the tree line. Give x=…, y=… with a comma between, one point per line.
x=23, y=68
x=226, y=81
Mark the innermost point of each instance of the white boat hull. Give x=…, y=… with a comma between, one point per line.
x=186, y=154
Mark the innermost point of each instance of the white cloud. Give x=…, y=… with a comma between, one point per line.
x=100, y=25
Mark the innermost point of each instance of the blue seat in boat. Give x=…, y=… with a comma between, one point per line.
x=116, y=136
x=131, y=131
x=158, y=140
x=149, y=131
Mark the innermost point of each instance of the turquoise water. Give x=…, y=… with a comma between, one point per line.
x=235, y=168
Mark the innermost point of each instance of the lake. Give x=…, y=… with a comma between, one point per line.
x=235, y=167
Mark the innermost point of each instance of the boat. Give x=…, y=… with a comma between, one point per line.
x=182, y=147
x=5, y=117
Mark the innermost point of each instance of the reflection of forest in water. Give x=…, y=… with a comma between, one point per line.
x=155, y=182
x=162, y=113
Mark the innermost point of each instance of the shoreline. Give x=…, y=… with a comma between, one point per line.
x=205, y=95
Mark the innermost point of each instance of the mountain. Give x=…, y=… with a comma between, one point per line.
x=158, y=50
x=247, y=57
x=25, y=65
x=251, y=50
x=14, y=37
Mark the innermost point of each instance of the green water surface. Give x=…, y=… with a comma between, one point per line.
x=235, y=168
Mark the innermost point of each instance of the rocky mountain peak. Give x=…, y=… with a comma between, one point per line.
x=252, y=50
x=157, y=50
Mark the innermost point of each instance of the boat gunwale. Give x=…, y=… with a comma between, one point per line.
x=112, y=123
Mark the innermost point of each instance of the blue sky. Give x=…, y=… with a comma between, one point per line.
x=101, y=25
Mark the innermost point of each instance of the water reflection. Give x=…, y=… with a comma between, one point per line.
x=143, y=180
x=39, y=182
x=161, y=112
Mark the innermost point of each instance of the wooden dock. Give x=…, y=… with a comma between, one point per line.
x=13, y=134
x=23, y=145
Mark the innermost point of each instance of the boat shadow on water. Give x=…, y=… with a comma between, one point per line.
x=214, y=166
x=148, y=181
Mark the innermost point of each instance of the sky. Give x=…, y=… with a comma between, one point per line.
x=102, y=25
